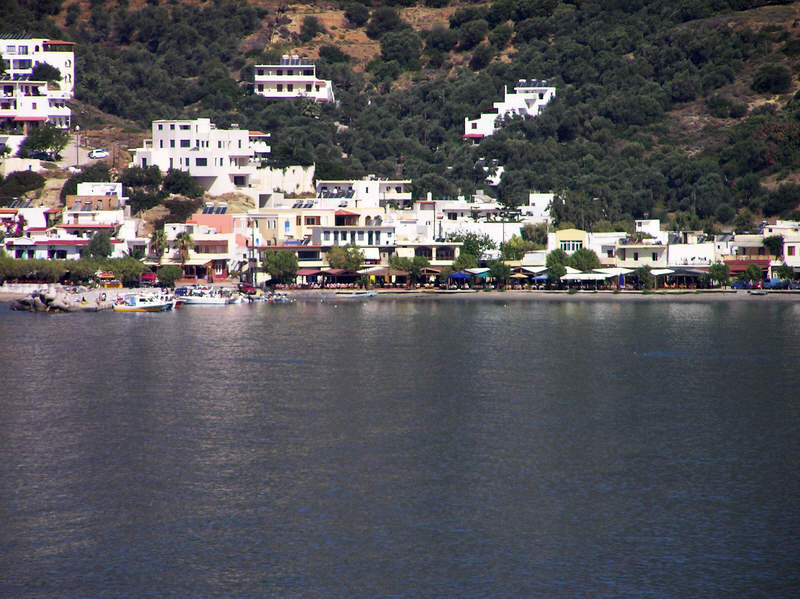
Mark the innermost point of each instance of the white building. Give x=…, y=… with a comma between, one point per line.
x=369, y=192
x=537, y=211
x=26, y=103
x=221, y=160
x=527, y=100
x=294, y=77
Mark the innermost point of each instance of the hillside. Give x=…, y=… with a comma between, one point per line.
x=682, y=112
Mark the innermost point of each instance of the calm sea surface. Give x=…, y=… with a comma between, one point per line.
x=398, y=449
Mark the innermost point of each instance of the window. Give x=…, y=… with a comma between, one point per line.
x=160, y=143
x=185, y=127
x=160, y=127
x=201, y=162
x=326, y=236
x=298, y=221
x=655, y=256
x=289, y=87
x=308, y=87
x=790, y=250
x=474, y=125
x=172, y=126
x=279, y=72
x=308, y=72
x=280, y=87
x=186, y=143
x=312, y=220
x=261, y=87
x=361, y=235
x=171, y=143
x=635, y=255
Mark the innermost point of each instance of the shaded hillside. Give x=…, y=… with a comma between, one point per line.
x=676, y=110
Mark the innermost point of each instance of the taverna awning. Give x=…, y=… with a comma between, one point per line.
x=615, y=271
x=657, y=272
x=586, y=276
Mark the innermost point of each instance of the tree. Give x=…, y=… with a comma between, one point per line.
x=556, y=263
x=785, y=272
x=383, y=19
x=47, y=138
x=356, y=13
x=99, y=246
x=584, y=260
x=310, y=29
x=281, y=266
x=465, y=260
x=720, y=272
x=158, y=244
x=535, y=233
x=645, y=277
x=772, y=78
x=753, y=272
x=471, y=34
x=168, y=274
x=45, y=72
x=185, y=244
x=500, y=272
x=743, y=221
x=774, y=244
x=472, y=243
x=128, y=270
x=182, y=183
x=403, y=45
x=516, y=247
x=348, y=257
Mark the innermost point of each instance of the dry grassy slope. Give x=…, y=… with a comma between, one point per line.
x=691, y=122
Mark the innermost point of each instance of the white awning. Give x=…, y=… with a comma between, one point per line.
x=371, y=253
x=615, y=271
x=585, y=276
x=657, y=272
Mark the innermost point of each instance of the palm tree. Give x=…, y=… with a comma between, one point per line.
x=185, y=244
x=158, y=243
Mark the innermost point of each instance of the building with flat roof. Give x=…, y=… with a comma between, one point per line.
x=527, y=100
x=293, y=77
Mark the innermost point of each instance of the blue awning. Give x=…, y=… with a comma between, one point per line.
x=460, y=275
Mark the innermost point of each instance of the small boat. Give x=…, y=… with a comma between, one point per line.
x=279, y=298
x=144, y=303
x=757, y=292
x=208, y=296
x=350, y=296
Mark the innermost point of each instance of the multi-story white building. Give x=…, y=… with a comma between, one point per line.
x=527, y=100
x=27, y=103
x=221, y=160
x=294, y=77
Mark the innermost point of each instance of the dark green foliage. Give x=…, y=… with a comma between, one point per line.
x=500, y=36
x=181, y=183
x=403, y=46
x=45, y=72
x=356, y=13
x=481, y=58
x=99, y=246
x=383, y=20
x=333, y=54
x=73, y=12
x=772, y=79
x=783, y=199
x=472, y=33
x=441, y=38
x=584, y=260
x=97, y=172
x=18, y=183
x=168, y=274
x=310, y=29
x=47, y=138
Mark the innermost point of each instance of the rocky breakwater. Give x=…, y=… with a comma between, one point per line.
x=60, y=299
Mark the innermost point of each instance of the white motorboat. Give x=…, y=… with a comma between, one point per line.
x=138, y=302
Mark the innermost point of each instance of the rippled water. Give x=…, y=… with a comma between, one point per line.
x=400, y=449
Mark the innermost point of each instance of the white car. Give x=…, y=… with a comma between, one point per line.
x=98, y=153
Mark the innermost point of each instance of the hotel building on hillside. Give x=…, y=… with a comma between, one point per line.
x=294, y=77
x=26, y=103
x=527, y=100
x=221, y=160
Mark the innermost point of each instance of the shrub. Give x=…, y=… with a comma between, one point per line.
x=772, y=79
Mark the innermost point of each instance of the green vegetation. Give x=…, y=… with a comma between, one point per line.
x=348, y=257
x=627, y=74
x=281, y=266
x=168, y=274
x=128, y=270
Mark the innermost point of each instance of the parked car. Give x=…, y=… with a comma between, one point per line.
x=148, y=279
x=247, y=288
x=98, y=153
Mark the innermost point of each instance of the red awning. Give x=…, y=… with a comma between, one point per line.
x=473, y=136
x=345, y=213
x=30, y=118
x=308, y=272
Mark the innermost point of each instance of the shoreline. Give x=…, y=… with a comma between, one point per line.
x=428, y=295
